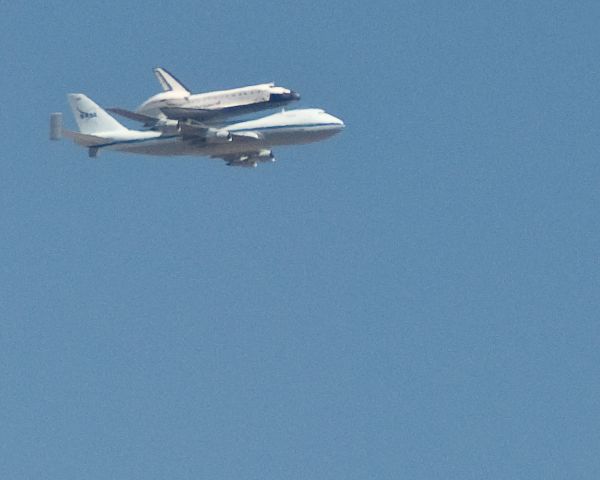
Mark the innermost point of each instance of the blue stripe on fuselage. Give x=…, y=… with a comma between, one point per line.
x=275, y=127
x=137, y=140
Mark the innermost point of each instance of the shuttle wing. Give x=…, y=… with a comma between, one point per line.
x=180, y=113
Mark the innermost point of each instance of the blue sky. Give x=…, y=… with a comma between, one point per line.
x=417, y=297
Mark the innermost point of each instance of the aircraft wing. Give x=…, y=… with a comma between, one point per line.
x=198, y=114
x=202, y=132
x=138, y=117
x=250, y=158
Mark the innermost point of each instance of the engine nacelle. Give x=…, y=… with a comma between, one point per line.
x=247, y=164
x=218, y=135
x=243, y=163
x=208, y=135
x=253, y=159
x=263, y=156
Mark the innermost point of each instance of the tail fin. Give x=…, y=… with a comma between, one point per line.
x=90, y=118
x=168, y=82
x=56, y=128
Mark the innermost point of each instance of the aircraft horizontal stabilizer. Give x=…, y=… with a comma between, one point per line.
x=84, y=139
x=138, y=117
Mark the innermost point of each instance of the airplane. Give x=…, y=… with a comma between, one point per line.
x=176, y=102
x=242, y=144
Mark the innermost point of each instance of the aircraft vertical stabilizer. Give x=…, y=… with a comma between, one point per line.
x=90, y=118
x=168, y=82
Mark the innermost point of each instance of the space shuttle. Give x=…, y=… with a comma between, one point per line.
x=176, y=102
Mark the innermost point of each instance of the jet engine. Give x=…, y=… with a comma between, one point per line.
x=217, y=135
x=242, y=163
x=253, y=159
x=207, y=134
x=263, y=156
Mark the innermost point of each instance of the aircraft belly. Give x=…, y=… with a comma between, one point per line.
x=164, y=147
x=179, y=147
x=269, y=138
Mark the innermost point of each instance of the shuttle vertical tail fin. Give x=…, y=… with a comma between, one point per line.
x=90, y=118
x=168, y=82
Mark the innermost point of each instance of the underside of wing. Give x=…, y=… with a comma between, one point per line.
x=249, y=159
x=199, y=114
x=196, y=131
x=138, y=117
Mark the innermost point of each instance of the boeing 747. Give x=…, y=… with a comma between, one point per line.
x=243, y=144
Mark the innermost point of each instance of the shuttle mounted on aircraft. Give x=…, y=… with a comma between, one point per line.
x=177, y=102
x=243, y=144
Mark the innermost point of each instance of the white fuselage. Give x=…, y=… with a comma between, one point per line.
x=293, y=127
x=230, y=102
